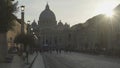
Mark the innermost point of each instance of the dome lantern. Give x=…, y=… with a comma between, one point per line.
x=47, y=6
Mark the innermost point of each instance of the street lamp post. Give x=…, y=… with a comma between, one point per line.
x=22, y=18
x=22, y=25
x=27, y=50
x=22, y=12
x=28, y=27
x=22, y=29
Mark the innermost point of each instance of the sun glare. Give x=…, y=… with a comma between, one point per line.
x=106, y=8
x=109, y=13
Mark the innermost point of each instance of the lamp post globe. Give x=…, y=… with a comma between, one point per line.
x=22, y=8
x=28, y=21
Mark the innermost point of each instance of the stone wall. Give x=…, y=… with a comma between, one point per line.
x=11, y=34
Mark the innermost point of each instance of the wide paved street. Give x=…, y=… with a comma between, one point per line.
x=76, y=60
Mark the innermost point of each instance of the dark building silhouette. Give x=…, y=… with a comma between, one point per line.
x=48, y=31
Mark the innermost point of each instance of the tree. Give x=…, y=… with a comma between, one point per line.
x=7, y=8
x=25, y=39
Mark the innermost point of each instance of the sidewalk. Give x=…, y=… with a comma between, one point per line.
x=39, y=63
x=31, y=57
x=17, y=62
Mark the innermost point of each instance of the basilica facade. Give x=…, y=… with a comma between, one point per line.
x=51, y=34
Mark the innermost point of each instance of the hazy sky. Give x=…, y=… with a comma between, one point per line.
x=70, y=11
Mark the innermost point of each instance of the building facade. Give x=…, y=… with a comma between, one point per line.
x=49, y=32
x=7, y=39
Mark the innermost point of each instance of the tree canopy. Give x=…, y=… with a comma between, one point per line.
x=25, y=39
x=7, y=8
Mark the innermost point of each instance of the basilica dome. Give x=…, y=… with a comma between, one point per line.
x=47, y=17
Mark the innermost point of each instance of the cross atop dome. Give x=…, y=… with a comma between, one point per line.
x=47, y=6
